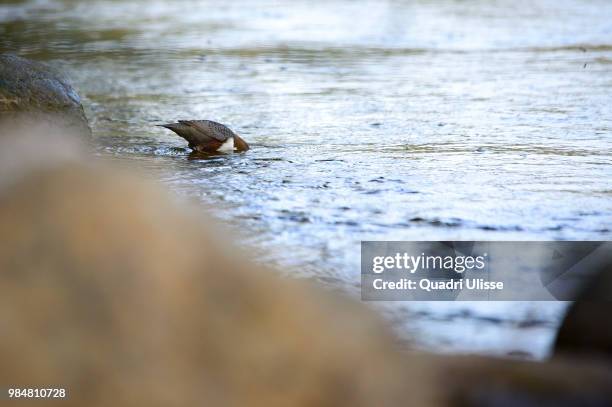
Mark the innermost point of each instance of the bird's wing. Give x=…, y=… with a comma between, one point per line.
x=209, y=128
x=193, y=136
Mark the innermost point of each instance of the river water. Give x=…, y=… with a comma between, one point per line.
x=371, y=120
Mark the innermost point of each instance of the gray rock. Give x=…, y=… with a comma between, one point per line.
x=34, y=90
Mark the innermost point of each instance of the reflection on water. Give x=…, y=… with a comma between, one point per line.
x=377, y=120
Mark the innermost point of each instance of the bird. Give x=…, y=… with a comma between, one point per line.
x=206, y=136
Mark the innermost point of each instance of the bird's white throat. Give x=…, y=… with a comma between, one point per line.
x=227, y=146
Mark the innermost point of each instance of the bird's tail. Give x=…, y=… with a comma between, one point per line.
x=182, y=130
x=171, y=126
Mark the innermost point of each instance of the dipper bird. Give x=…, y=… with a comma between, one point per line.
x=206, y=136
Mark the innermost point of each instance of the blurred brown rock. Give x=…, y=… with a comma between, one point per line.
x=560, y=382
x=114, y=291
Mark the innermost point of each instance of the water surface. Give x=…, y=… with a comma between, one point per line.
x=372, y=120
